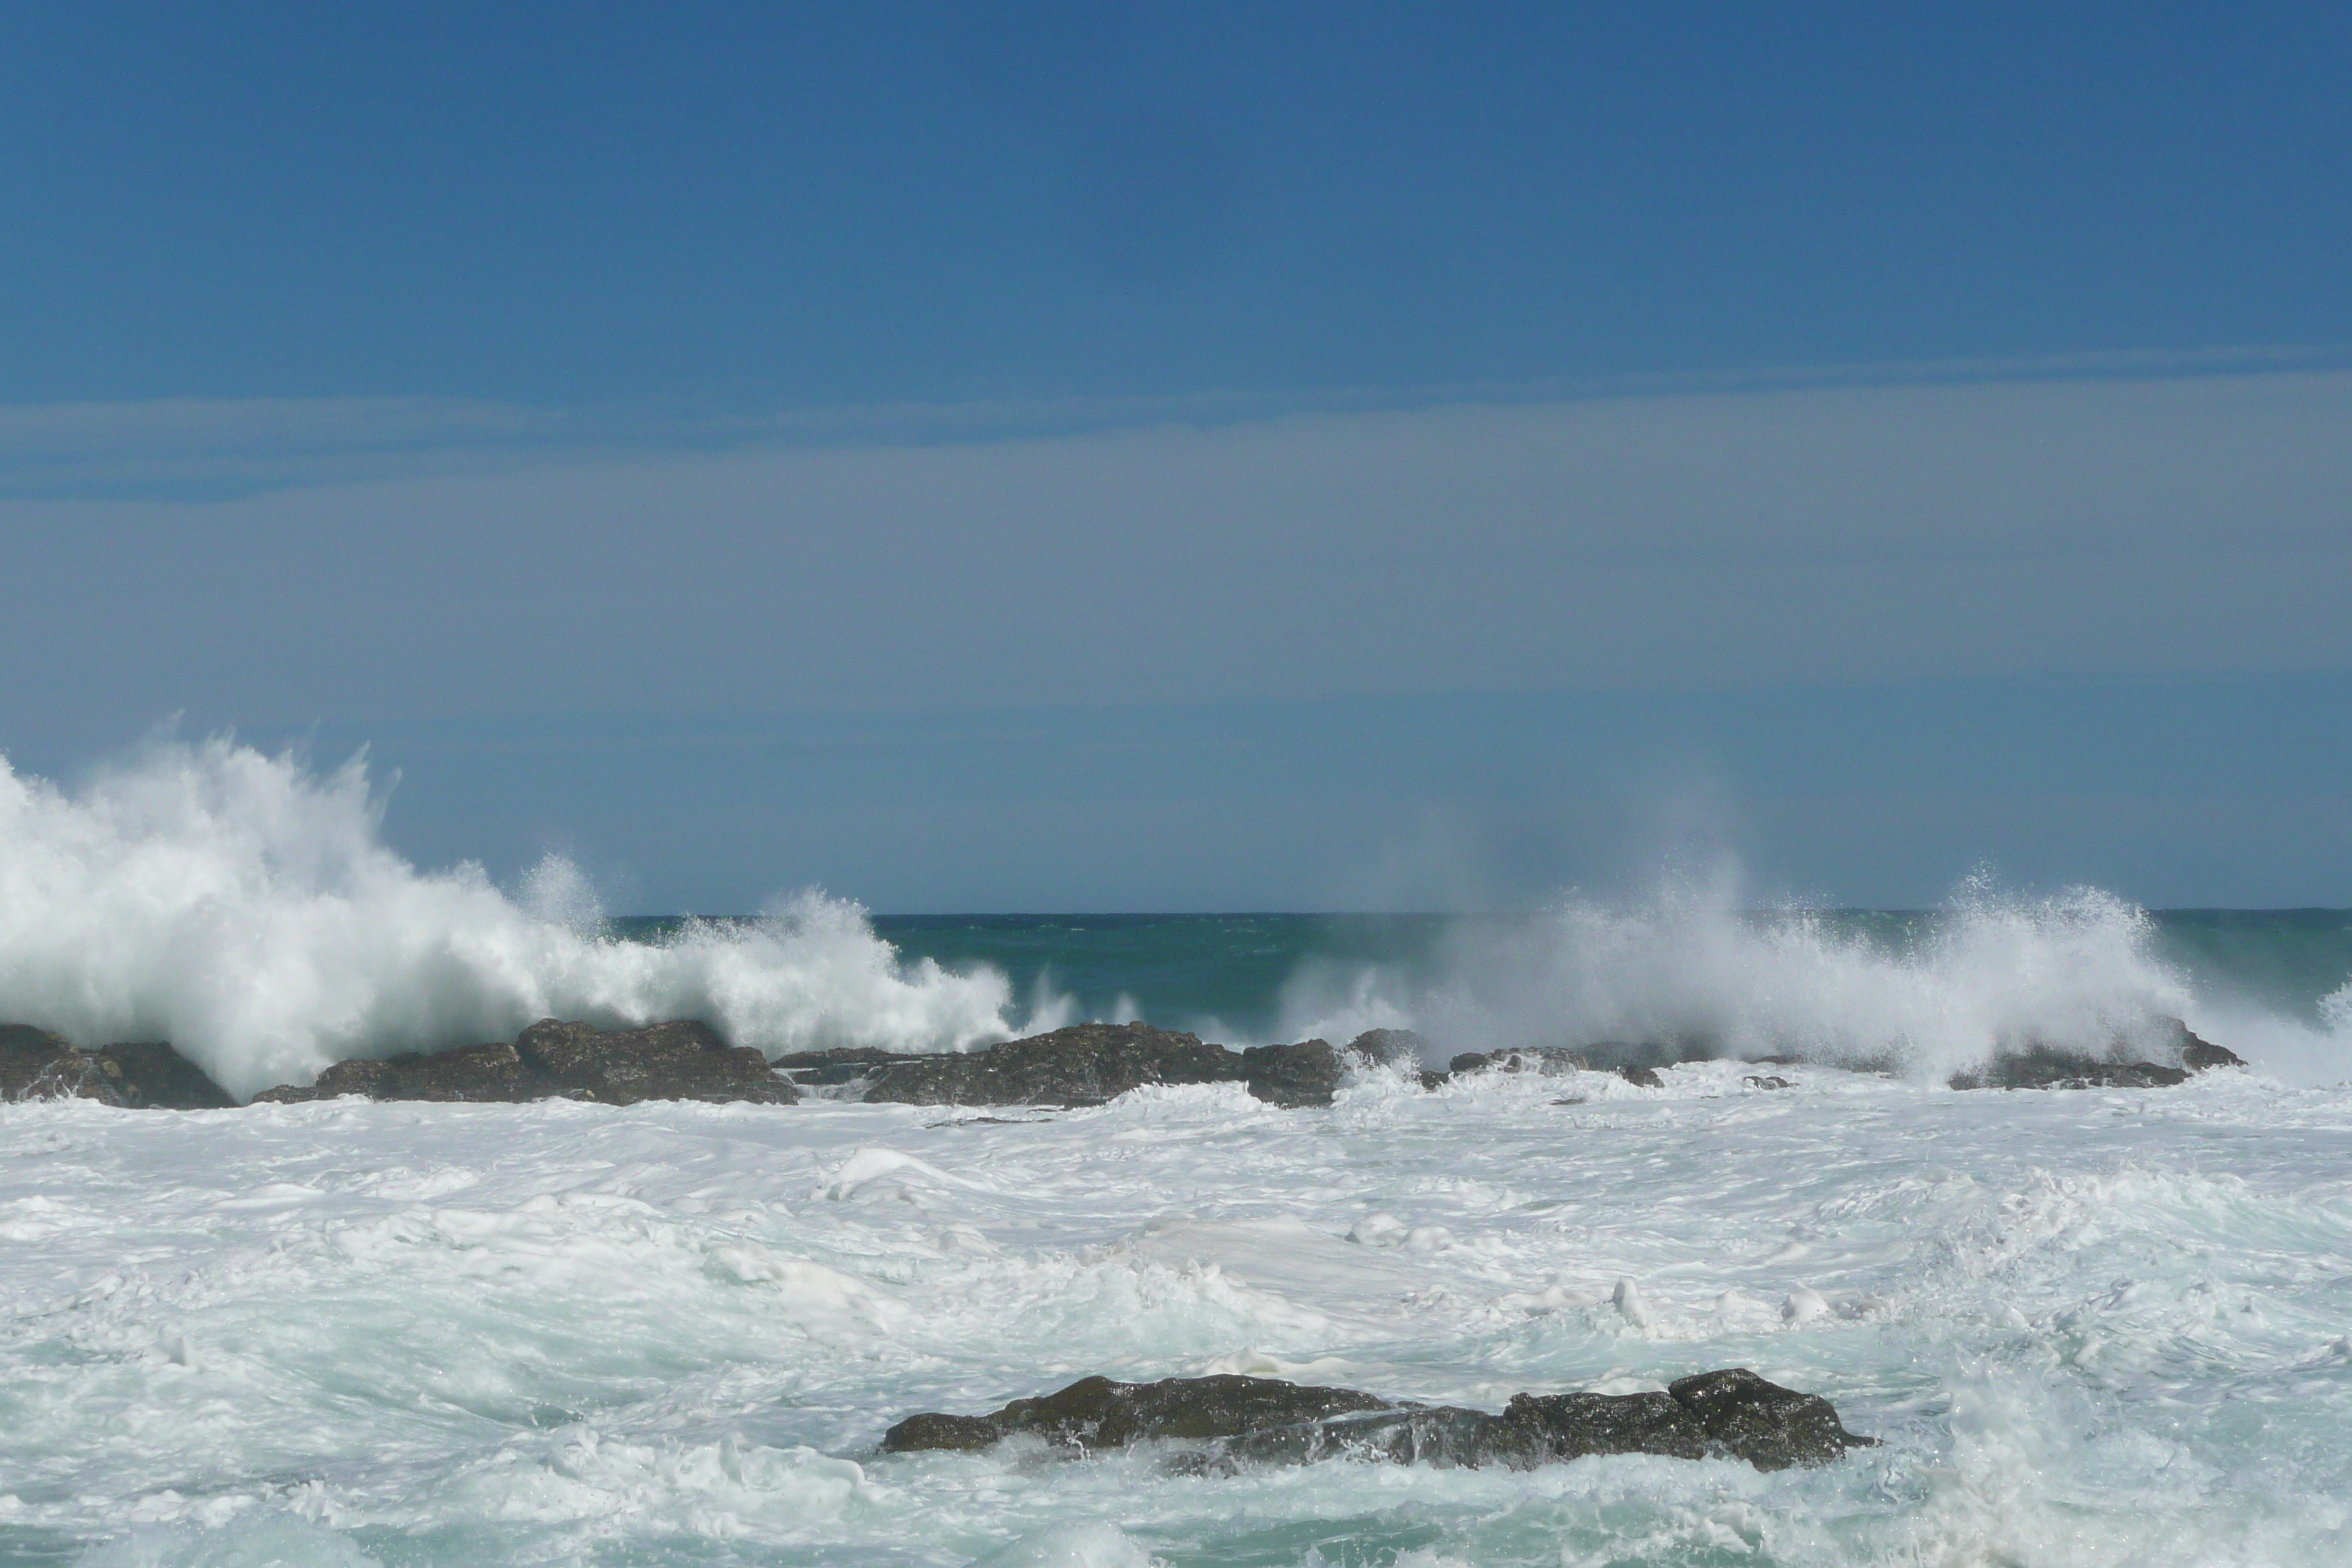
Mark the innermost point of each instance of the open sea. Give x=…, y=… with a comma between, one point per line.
x=2090, y=1327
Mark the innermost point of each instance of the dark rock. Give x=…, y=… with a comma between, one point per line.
x=1549, y=1060
x=2196, y=1055
x=1432, y=1080
x=1308, y=1073
x=493, y=1073
x=1096, y=1413
x=2204, y=1056
x=553, y=1059
x=1228, y=1420
x=149, y=1075
x=1084, y=1064
x=2042, y=1067
x=677, y=1060
x=830, y=1069
x=1642, y=1077
x=1770, y=1426
x=1769, y=1081
x=1390, y=1047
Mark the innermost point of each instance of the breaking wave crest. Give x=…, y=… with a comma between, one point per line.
x=1694, y=972
x=246, y=909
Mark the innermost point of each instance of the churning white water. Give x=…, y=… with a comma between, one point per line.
x=2093, y=1329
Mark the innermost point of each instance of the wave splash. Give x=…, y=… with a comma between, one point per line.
x=246, y=909
x=1690, y=968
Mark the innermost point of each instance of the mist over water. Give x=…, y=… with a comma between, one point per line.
x=1693, y=969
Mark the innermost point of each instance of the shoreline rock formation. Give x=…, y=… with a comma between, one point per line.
x=553, y=1059
x=38, y=1065
x=1227, y=1421
x=1084, y=1064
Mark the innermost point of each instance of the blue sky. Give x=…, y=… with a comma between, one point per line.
x=1131, y=456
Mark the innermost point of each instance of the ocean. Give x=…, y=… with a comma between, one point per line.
x=2087, y=1327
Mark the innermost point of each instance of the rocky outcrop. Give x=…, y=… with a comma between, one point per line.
x=2040, y=1066
x=1231, y=1420
x=1552, y=1061
x=1308, y=1073
x=556, y=1059
x=38, y=1065
x=1085, y=1064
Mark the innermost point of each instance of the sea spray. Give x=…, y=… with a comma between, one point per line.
x=245, y=908
x=1691, y=969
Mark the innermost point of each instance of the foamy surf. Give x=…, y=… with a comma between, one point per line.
x=2097, y=1329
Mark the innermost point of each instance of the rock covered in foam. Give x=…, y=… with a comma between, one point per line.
x=558, y=1059
x=1232, y=1419
x=150, y=1075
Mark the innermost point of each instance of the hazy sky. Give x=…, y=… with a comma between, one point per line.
x=1122, y=456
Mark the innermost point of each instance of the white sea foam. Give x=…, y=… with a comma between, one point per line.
x=2094, y=1329
x=2077, y=971
x=248, y=910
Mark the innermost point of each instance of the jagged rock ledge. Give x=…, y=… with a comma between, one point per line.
x=38, y=1065
x=1210, y=1423
x=2040, y=1066
x=1085, y=1064
x=553, y=1059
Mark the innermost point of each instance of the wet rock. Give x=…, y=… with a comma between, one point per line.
x=2204, y=1056
x=677, y=1060
x=1217, y=1422
x=555, y=1059
x=2196, y=1055
x=1549, y=1060
x=493, y=1073
x=834, y=1069
x=2042, y=1067
x=148, y=1075
x=1390, y=1047
x=1308, y=1073
x=1096, y=1413
x=1642, y=1077
x=1084, y=1064
x=1767, y=1081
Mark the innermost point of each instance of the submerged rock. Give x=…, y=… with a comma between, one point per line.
x=556, y=1059
x=148, y=1075
x=1231, y=1420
